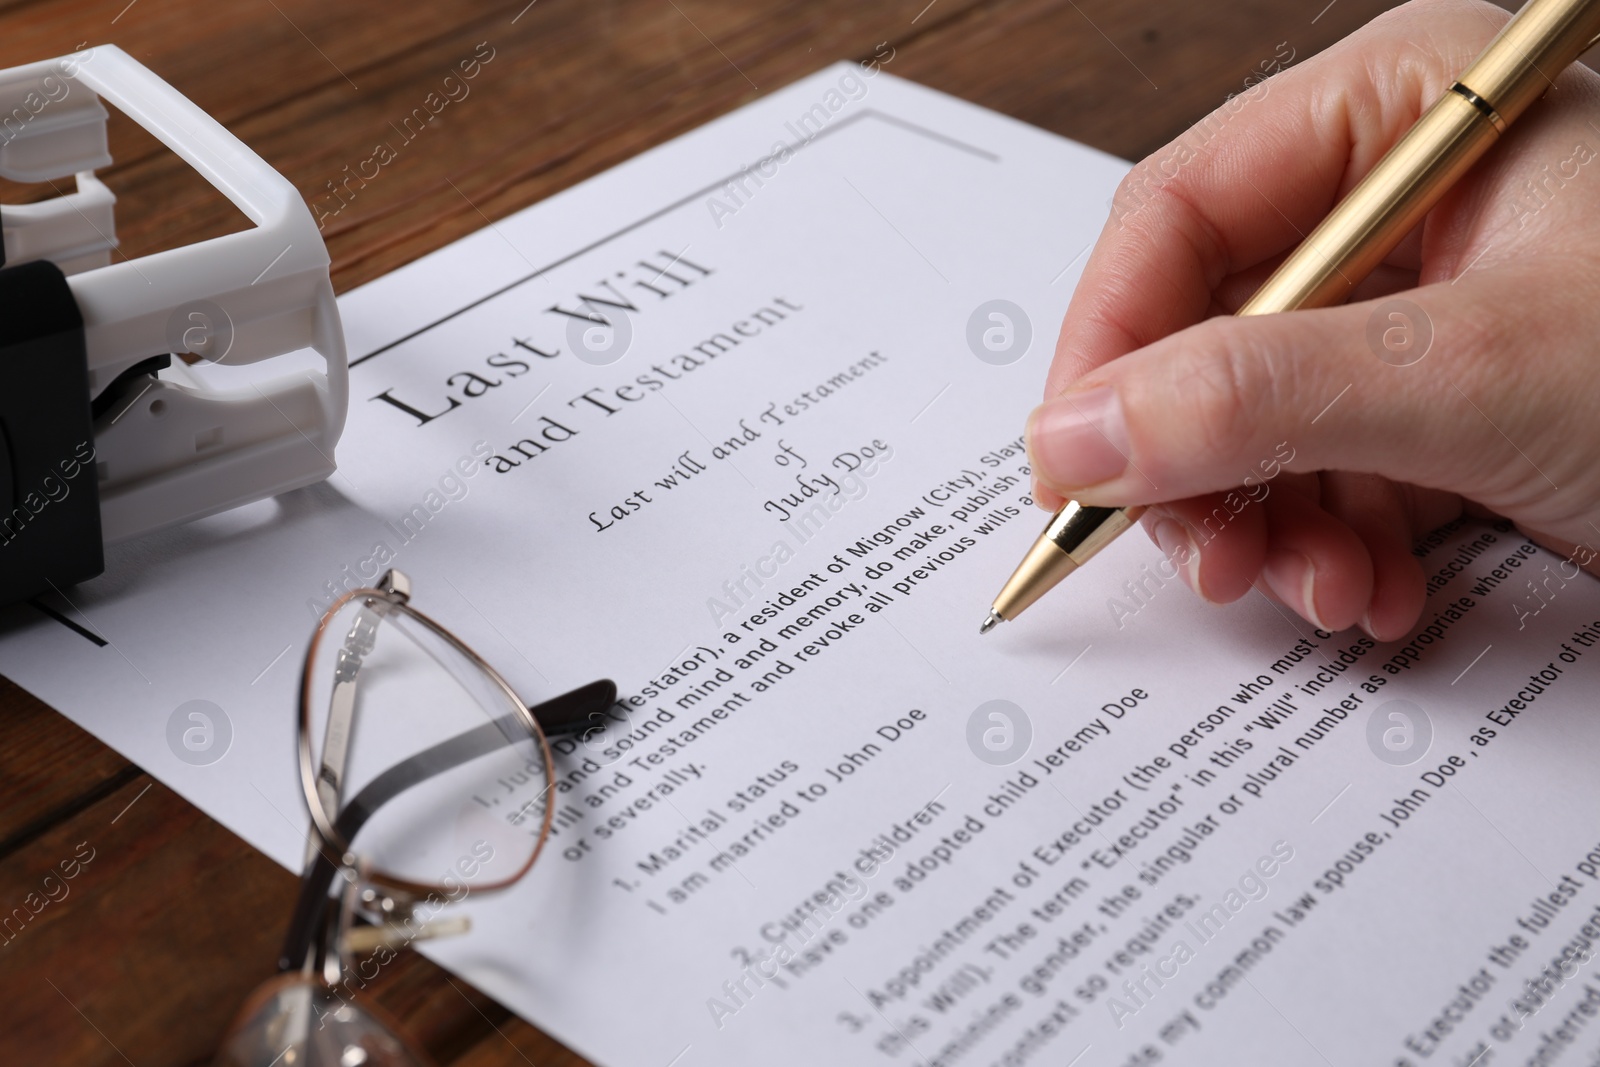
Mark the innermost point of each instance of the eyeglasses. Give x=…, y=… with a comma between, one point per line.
x=428, y=781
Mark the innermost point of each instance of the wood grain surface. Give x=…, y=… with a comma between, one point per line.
x=143, y=956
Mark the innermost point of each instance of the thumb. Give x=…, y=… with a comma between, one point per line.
x=1413, y=388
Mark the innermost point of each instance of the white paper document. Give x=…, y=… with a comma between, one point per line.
x=738, y=425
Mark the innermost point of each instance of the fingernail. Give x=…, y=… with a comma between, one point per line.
x=1366, y=626
x=1292, y=579
x=1175, y=543
x=1039, y=489
x=1079, y=439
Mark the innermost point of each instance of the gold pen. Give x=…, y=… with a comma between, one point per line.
x=1517, y=67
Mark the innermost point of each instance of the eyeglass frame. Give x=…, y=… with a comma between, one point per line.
x=394, y=593
x=570, y=713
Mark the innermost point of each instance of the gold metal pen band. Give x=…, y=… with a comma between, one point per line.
x=1481, y=104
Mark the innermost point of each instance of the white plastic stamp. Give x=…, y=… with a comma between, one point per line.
x=174, y=431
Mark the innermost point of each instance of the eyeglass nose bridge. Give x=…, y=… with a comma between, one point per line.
x=388, y=903
x=396, y=926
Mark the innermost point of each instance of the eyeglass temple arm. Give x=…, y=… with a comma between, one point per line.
x=567, y=715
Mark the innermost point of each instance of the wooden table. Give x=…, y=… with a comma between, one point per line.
x=174, y=919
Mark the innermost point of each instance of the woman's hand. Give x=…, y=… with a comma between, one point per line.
x=1338, y=444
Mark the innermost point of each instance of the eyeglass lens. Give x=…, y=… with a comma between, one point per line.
x=422, y=756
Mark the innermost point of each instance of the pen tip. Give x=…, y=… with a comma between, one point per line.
x=989, y=623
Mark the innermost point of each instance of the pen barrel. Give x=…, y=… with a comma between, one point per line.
x=1521, y=63
x=1516, y=68
x=1377, y=214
